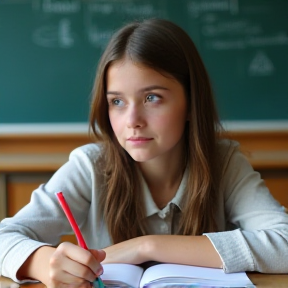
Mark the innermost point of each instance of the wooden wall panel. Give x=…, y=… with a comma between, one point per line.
x=18, y=196
x=20, y=187
x=277, y=182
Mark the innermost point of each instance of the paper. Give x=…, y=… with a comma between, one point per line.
x=173, y=275
x=170, y=276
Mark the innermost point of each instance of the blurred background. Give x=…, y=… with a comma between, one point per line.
x=49, y=50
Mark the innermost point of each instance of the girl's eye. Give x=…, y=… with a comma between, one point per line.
x=117, y=102
x=152, y=98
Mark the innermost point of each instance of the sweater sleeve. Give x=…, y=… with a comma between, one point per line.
x=259, y=241
x=42, y=221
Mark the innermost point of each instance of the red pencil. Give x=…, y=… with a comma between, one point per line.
x=98, y=282
x=71, y=220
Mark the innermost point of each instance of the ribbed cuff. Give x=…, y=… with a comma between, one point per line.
x=233, y=251
x=23, y=251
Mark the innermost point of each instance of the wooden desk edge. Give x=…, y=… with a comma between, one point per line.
x=258, y=279
x=268, y=280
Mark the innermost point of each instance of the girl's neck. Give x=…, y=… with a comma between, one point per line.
x=163, y=183
x=165, y=169
x=163, y=176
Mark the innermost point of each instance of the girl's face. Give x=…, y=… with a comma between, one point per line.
x=147, y=110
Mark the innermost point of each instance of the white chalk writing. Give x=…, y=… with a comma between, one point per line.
x=261, y=65
x=51, y=36
x=50, y=6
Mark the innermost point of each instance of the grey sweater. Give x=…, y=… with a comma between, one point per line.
x=253, y=225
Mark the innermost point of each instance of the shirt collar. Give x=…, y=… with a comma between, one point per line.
x=178, y=199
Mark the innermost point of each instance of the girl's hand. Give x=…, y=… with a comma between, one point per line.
x=133, y=251
x=73, y=266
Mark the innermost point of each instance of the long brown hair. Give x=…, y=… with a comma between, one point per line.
x=165, y=47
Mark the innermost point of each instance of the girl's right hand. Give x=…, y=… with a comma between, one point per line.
x=73, y=266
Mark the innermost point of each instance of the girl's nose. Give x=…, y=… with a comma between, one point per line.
x=135, y=117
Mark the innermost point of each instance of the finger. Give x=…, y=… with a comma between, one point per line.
x=98, y=254
x=70, y=271
x=80, y=271
x=63, y=260
x=66, y=280
x=81, y=256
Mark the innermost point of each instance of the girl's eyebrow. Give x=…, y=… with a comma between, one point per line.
x=113, y=93
x=153, y=87
x=145, y=89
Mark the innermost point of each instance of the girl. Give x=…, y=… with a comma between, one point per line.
x=159, y=184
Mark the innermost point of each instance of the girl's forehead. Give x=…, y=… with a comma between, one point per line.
x=139, y=66
x=127, y=61
x=126, y=76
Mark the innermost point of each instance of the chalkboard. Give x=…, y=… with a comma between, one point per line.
x=49, y=51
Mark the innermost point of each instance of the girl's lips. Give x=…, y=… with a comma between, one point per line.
x=139, y=140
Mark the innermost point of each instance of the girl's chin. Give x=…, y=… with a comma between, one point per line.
x=141, y=158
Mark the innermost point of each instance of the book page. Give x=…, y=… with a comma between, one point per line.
x=186, y=272
x=122, y=273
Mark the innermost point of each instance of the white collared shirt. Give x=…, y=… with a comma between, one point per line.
x=166, y=220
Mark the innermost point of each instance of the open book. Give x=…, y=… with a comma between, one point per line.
x=170, y=275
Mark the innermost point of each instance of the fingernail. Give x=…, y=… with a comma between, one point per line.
x=102, y=251
x=99, y=272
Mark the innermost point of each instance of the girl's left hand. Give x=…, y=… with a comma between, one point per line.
x=133, y=251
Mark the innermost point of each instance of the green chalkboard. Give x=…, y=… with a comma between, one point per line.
x=49, y=51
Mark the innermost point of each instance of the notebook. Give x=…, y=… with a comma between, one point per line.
x=170, y=275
